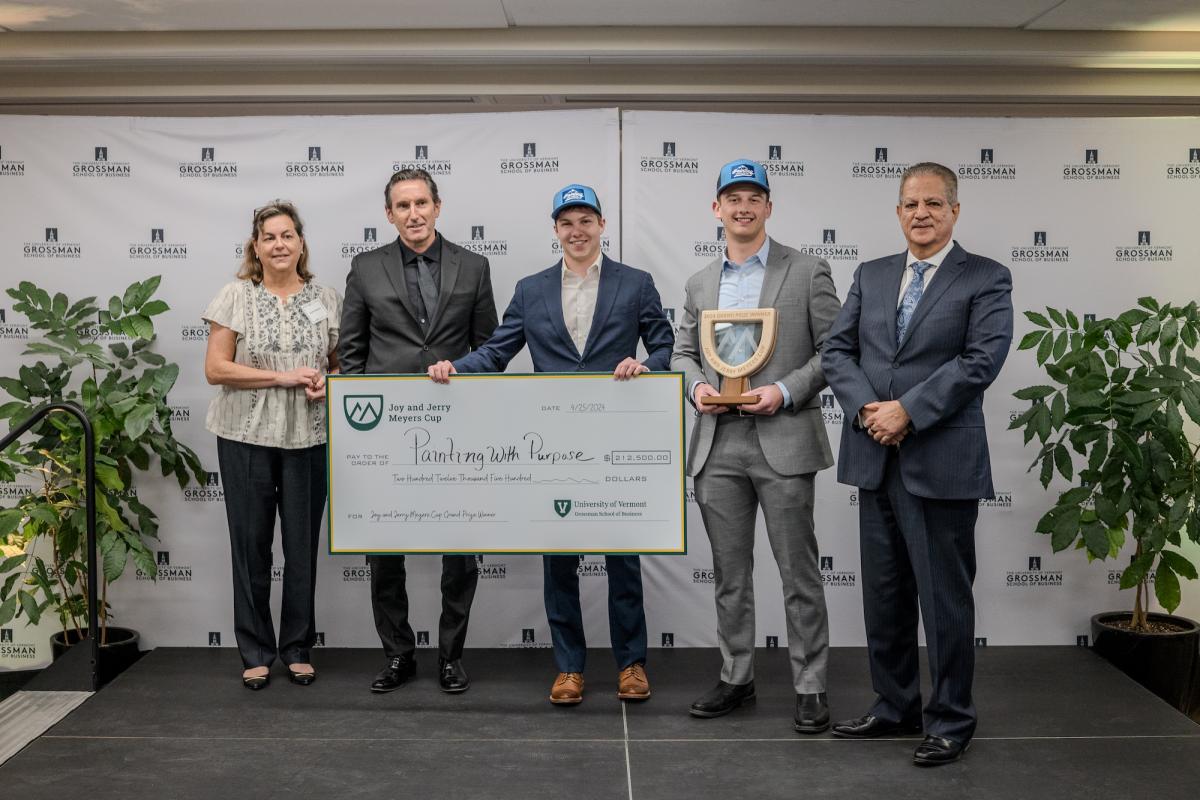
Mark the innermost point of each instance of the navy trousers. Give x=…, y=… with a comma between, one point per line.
x=626, y=614
x=919, y=553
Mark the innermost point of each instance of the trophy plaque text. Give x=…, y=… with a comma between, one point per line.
x=737, y=343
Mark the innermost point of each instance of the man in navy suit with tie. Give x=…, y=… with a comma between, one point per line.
x=922, y=334
x=584, y=314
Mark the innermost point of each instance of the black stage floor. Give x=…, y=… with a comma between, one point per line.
x=1055, y=722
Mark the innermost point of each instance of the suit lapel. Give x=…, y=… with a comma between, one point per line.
x=552, y=295
x=449, y=277
x=606, y=295
x=777, y=266
x=949, y=271
x=393, y=267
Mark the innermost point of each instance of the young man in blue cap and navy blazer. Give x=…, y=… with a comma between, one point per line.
x=586, y=313
x=763, y=454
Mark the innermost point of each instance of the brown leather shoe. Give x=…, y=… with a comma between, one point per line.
x=633, y=683
x=567, y=689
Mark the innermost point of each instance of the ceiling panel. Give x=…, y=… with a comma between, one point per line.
x=823, y=13
x=1122, y=15
x=185, y=15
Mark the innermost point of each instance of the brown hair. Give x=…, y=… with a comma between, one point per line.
x=251, y=267
x=412, y=174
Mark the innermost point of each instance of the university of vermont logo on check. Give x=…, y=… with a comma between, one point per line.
x=562, y=507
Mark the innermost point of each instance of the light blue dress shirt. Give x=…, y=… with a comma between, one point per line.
x=741, y=287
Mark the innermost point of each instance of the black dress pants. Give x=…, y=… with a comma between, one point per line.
x=389, y=602
x=259, y=483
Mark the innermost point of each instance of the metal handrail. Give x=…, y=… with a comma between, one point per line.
x=89, y=476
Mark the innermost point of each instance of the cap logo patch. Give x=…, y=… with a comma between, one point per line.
x=572, y=195
x=742, y=171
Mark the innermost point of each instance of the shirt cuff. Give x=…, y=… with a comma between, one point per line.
x=787, y=396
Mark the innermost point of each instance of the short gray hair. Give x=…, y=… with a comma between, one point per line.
x=949, y=179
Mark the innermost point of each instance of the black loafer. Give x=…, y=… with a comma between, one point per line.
x=399, y=671
x=452, y=678
x=812, y=713
x=938, y=750
x=870, y=726
x=722, y=699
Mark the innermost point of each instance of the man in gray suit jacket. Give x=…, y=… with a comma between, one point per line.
x=766, y=453
x=921, y=336
x=409, y=304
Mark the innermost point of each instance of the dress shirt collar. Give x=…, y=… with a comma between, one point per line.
x=594, y=269
x=934, y=260
x=761, y=255
x=433, y=254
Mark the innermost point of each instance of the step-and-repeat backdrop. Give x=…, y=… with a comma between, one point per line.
x=1089, y=214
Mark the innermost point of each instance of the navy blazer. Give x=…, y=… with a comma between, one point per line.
x=957, y=340
x=627, y=308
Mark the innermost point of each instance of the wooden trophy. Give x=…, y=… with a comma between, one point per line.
x=737, y=342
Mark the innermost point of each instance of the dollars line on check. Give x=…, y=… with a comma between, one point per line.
x=531, y=449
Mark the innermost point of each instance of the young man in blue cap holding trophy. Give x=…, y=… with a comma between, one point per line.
x=765, y=452
x=575, y=317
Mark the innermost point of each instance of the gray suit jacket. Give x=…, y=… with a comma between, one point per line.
x=380, y=329
x=801, y=288
x=956, y=342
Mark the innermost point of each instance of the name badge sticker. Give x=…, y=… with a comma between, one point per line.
x=315, y=311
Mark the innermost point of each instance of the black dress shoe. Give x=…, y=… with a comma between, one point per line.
x=870, y=726
x=452, y=677
x=398, y=672
x=722, y=699
x=938, y=750
x=812, y=713
x=301, y=678
x=256, y=682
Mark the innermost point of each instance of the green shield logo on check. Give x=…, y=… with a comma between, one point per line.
x=562, y=507
x=363, y=411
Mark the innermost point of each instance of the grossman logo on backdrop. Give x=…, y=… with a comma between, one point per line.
x=837, y=578
x=157, y=248
x=315, y=167
x=669, y=163
x=53, y=246
x=1177, y=171
x=529, y=162
x=210, y=492
x=369, y=241
x=208, y=166
x=167, y=572
x=481, y=244
x=987, y=168
x=880, y=167
x=704, y=575
x=710, y=248
x=421, y=160
x=592, y=569
x=1040, y=252
x=356, y=574
x=491, y=570
x=1145, y=251
x=17, y=650
x=528, y=639
x=10, y=329
x=9, y=167
x=829, y=249
x=831, y=412
x=1002, y=501
x=777, y=167
x=1035, y=576
x=1092, y=168
x=101, y=166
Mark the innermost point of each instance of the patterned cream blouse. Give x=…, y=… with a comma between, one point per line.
x=274, y=335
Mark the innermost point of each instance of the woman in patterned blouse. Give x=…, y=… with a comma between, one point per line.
x=272, y=339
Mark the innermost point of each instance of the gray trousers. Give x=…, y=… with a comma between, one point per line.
x=734, y=482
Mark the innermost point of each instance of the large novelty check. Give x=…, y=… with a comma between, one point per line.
x=543, y=463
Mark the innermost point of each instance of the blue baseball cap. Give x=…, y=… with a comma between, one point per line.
x=575, y=195
x=743, y=171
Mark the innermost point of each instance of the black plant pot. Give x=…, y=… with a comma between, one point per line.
x=1167, y=664
x=116, y=655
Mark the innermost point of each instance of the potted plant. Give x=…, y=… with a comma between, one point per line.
x=122, y=386
x=1113, y=422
